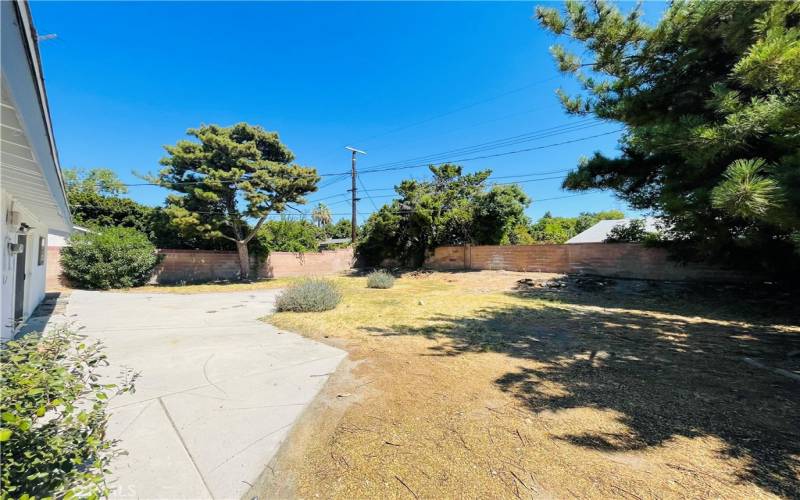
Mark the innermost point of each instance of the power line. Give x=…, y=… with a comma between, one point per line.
x=492, y=178
x=512, y=141
x=516, y=176
x=340, y=214
x=338, y=202
x=494, y=184
x=461, y=108
x=529, y=180
x=331, y=182
x=495, y=119
x=563, y=170
x=523, y=177
x=535, y=200
x=326, y=198
x=505, y=141
x=536, y=148
x=367, y=193
x=343, y=175
x=483, y=122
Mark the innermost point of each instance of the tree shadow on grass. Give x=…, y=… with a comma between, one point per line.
x=665, y=376
x=754, y=302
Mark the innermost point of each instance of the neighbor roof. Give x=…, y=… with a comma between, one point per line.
x=334, y=241
x=599, y=232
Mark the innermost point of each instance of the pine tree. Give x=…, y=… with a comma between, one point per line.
x=227, y=176
x=710, y=101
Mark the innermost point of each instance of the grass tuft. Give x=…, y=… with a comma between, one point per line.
x=309, y=295
x=380, y=279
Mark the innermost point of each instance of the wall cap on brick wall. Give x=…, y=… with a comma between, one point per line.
x=232, y=252
x=189, y=250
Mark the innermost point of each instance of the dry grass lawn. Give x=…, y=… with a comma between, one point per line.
x=477, y=385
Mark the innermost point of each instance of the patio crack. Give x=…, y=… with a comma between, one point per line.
x=205, y=375
x=253, y=443
x=144, y=407
x=257, y=372
x=186, y=448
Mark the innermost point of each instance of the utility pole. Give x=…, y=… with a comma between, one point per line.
x=353, y=221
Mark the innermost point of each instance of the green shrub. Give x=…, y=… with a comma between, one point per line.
x=309, y=295
x=114, y=257
x=380, y=279
x=53, y=408
x=289, y=236
x=633, y=232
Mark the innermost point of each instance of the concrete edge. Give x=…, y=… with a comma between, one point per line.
x=277, y=480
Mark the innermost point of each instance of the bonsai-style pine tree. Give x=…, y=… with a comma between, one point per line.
x=229, y=176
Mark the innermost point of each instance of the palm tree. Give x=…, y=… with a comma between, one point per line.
x=321, y=215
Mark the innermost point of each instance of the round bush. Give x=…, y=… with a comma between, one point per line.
x=309, y=295
x=380, y=279
x=115, y=257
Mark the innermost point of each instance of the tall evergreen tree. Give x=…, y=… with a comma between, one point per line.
x=710, y=100
x=452, y=208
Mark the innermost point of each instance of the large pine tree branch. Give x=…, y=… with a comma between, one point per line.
x=255, y=229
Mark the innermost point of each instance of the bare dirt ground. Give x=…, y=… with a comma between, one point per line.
x=498, y=384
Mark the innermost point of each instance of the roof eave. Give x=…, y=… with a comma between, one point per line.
x=25, y=20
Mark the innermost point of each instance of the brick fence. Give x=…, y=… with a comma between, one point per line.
x=281, y=264
x=207, y=265
x=621, y=260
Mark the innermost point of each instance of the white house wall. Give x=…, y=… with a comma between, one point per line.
x=35, y=273
x=8, y=271
x=30, y=177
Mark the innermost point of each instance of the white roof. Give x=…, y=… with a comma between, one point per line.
x=599, y=232
x=334, y=241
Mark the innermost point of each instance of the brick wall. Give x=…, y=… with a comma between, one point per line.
x=622, y=260
x=195, y=266
x=207, y=265
x=281, y=264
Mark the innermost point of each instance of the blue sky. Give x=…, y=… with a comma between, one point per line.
x=398, y=80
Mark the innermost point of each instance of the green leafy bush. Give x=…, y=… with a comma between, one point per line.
x=380, y=279
x=634, y=231
x=53, y=410
x=309, y=295
x=115, y=257
x=289, y=236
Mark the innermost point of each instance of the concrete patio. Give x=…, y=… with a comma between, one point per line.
x=219, y=390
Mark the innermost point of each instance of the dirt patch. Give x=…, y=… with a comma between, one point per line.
x=483, y=385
